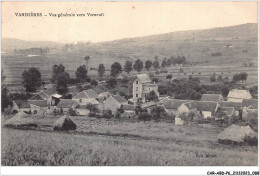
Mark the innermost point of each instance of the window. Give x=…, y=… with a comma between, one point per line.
x=80, y=100
x=136, y=82
x=136, y=88
x=136, y=95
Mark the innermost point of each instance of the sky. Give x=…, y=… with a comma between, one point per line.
x=120, y=20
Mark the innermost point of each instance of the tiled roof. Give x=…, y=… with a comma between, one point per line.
x=211, y=97
x=90, y=93
x=203, y=106
x=128, y=107
x=174, y=103
x=40, y=103
x=40, y=96
x=22, y=104
x=120, y=99
x=236, y=105
x=250, y=102
x=228, y=110
x=240, y=94
x=143, y=78
x=66, y=103
x=148, y=104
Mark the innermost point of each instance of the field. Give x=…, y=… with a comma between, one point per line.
x=122, y=143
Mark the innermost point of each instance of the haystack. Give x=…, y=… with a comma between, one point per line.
x=238, y=135
x=64, y=123
x=20, y=120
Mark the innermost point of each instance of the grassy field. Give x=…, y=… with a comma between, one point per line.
x=110, y=142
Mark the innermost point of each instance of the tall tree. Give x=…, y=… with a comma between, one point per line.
x=31, y=79
x=236, y=77
x=243, y=76
x=138, y=66
x=5, y=98
x=116, y=69
x=56, y=70
x=87, y=58
x=148, y=65
x=128, y=67
x=81, y=73
x=164, y=62
x=62, y=83
x=156, y=64
x=101, y=70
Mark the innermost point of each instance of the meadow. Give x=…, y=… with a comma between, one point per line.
x=103, y=142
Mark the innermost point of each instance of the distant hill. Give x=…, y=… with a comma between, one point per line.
x=10, y=44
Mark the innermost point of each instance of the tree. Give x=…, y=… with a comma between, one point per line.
x=144, y=116
x=243, y=76
x=101, y=70
x=236, y=78
x=116, y=69
x=92, y=108
x=156, y=64
x=111, y=83
x=31, y=79
x=56, y=70
x=62, y=83
x=151, y=96
x=168, y=62
x=219, y=79
x=128, y=67
x=81, y=73
x=148, y=65
x=213, y=77
x=87, y=58
x=138, y=66
x=93, y=82
x=164, y=62
x=157, y=113
x=6, y=100
x=169, y=77
x=225, y=91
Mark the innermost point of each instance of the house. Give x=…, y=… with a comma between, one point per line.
x=236, y=95
x=250, y=103
x=236, y=105
x=142, y=85
x=172, y=105
x=38, y=106
x=229, y=111
x=54, y=99
x=66, y=104
x=207, y=109
x=113, y=103
x=249, y=107
x=21, y=105
x=83, y=97
x=129, y=110
x=41, y=96
x=212, y=97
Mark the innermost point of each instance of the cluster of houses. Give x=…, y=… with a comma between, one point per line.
x=238, y=102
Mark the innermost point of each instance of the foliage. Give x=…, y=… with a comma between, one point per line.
x=72, y=112
x=5, y=100
x=92, y=108
x=81, y=73
x=213, y=77
x=155, y=80
x=253, y=90
x=151, y=96
x=101, y=70
x=93, y=82
x=144, y=116
x=56, y=70
x=178, y=60
x=128, y=67
x=66, y=96
x=164, y=62
x=169, y=77
x=148, y=65
x=216, y=54
x=156, y=64
x=138, y=65
x=19, y=96
x=219, y=79
x=158, y=113
x=31, y=79
x=111, y=83
x=107, y=114
x=240, y=77
x=116, y=69
x=62, y=83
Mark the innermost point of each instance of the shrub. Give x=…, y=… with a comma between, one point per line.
x=107, y=114
x=94, y=82
x=72, y=112
x=155, y=80
x=144, y=116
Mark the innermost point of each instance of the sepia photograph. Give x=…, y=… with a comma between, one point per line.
x=129, y=84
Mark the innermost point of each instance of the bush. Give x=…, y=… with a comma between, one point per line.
x=66, y=96
x=107, y=114
x=155, y=80
x=144, y=116
x=87, y=79
x=72, y=112
x=94, y=82
x=15, y=111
